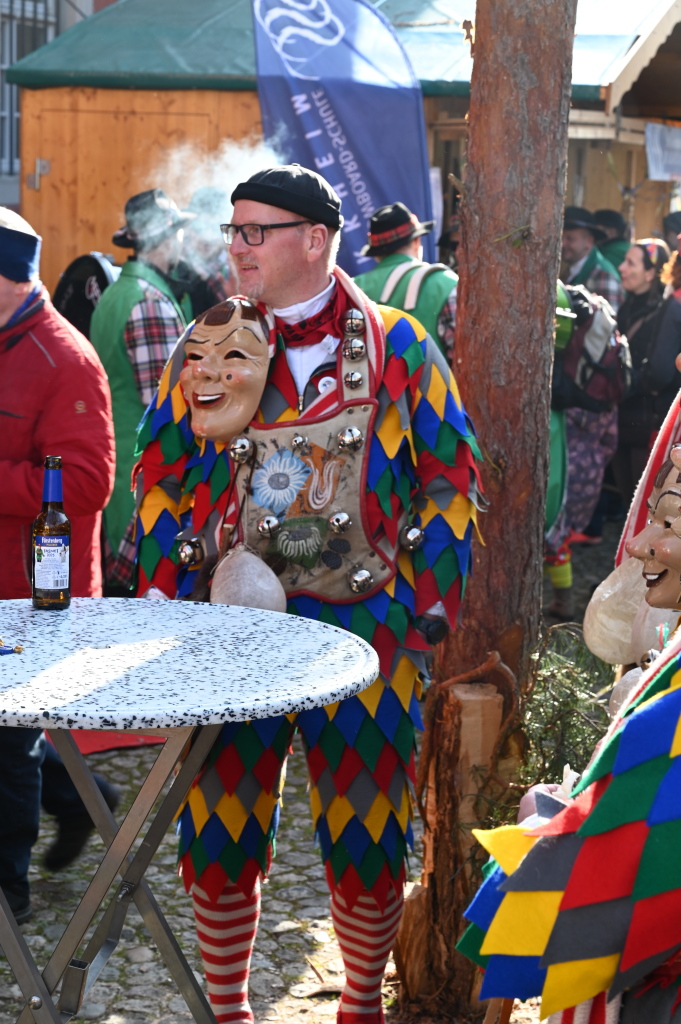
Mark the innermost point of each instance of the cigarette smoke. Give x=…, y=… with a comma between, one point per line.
x=188, y=167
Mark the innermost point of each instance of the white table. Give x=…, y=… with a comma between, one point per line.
x=182, y=670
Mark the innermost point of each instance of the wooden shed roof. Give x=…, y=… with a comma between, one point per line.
x=172, y=44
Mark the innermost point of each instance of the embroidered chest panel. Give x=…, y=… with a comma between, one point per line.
x=303, y=509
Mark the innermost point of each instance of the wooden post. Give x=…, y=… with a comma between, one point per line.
x=511, y=226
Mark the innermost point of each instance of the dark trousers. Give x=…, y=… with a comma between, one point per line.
x=21, y=757
x=31, y=773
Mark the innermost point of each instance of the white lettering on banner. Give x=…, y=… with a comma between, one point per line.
x=340, y=189
x=300, y=103
x=292, y=21
x=346, y=158
x=324, y=161
x=314, y=134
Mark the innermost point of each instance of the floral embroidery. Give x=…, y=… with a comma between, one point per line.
x=278, y=481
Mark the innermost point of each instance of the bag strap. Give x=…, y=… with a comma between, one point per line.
x=416, y=280
x=394, y=278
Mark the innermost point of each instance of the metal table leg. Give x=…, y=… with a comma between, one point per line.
x=117, y=860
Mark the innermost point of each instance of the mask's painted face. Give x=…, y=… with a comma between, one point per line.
x=658, y=545
x=227, y=359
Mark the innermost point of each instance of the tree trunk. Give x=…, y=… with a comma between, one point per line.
x=511, y=226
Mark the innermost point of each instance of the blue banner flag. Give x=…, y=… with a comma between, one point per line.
x=338, y=94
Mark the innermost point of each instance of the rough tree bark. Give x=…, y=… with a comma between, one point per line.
x=511, y=225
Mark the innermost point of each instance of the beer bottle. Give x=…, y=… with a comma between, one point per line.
x=51, y=549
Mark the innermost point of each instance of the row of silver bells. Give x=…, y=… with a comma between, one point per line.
x=353, y=347
x=242, y=449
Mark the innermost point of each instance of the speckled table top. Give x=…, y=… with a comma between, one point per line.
x=116, y=663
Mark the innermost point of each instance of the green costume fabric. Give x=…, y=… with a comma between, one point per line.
x=614, y=250
x=595, y=260
x=555, y=491
x=107, y=335
x=433, y=293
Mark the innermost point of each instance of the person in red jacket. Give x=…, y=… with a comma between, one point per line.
x=54, y=400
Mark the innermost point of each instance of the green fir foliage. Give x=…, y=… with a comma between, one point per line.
x=564, y=710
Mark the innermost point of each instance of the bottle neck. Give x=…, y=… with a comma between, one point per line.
x=52, y=489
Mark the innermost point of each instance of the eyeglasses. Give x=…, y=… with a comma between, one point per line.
x=254, y=234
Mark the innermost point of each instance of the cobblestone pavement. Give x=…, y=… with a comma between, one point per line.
x=296, y=951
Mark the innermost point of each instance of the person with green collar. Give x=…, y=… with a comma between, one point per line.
x=403, y=280
x=616, y=244
x=592, y=436
x=584, y=263
x=134, y=329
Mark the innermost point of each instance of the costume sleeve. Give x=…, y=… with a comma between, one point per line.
x=658, y=372
x=425, y=461
x=73, y=420
x=150, y=335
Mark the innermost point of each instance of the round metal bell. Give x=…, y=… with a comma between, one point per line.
x=35, y=1002
x=350, y=439
x=339, y=522
x=411, y=537
x=241, y=449
x=190, y=552
x=298, y=442
x=360, y=581
x=352, y=322
x=353, y=349
x=269, y=526
x=353, y=380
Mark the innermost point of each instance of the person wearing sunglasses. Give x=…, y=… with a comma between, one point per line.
x=650, y=317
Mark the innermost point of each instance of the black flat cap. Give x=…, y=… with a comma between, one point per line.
x=294, y=188
x=578, y=217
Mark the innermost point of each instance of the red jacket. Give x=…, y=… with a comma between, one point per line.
x=54, y=400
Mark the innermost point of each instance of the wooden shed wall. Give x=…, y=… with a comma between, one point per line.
x=103, y=146
x=594, y=181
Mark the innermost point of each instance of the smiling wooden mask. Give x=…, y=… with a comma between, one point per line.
x=227, y=357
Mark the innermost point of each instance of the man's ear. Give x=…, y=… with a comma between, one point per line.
x=317, y=238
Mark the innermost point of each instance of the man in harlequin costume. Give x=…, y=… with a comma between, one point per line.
x=356, y=483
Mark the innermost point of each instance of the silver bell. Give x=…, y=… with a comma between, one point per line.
x=353, y=380
x=35, y=1002
x=353, y=349
x=269, y=526
x=298, y=442
x=241, y=449
x=350, y=439
x=352, y=322
x=411, y=537
x=360, y=581
x=190, y=552
x=339, y=522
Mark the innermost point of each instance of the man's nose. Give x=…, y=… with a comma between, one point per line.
x=239, y=246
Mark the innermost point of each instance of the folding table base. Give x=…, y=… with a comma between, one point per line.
x=80, y=973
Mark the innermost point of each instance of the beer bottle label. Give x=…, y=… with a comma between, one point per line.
x=51, y=558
